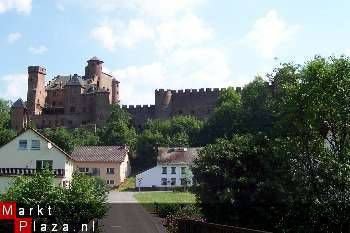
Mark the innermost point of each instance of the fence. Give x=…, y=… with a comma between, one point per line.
x=192, y=226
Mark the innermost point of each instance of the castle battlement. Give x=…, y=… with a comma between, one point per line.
x=138, y=107
x=36, y=69
x=200, y=90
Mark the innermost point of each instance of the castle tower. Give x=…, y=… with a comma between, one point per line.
x=115, y=91
x=36, y=90
x=93, y=70
x=163, y=103
x=18, y=115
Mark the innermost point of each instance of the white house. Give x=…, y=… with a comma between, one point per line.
x=31, y=151
x=172, y=170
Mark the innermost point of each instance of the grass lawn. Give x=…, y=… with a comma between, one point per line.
x=165, y=197
x=127, y=185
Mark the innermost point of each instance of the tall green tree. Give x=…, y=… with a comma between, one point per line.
x=256, y=109
x=225, y=121
x=239, y=178
x=118, y=129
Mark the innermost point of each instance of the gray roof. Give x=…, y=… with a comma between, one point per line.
x=19, y=104
x=94, y=58
x=100, y=153
x=55, y=83
x=177, y=155
x=75, y=80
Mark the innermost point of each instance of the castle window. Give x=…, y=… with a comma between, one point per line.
x=72, y=109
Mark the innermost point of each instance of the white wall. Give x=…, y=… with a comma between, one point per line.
x=153, y=176
x=12, y=157
x=125, y=169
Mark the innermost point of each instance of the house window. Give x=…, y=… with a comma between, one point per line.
x=35, y=145
x=164, y=181
x=110, y=182
x=22, y=145
x=44, y=164
x=173, y=181
x=173, y=170
x=164, y=170
x=110, y=170
x=95, y=172
x=183, y=170
x=84, y=169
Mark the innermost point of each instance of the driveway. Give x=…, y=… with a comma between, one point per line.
x=127, y=216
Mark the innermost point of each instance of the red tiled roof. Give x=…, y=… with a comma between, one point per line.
x=100, y=153
x=177, y=155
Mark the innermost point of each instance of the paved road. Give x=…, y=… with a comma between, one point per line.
x=127, y=216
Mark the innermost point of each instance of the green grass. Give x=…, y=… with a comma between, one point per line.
x=165, y=197
x=127, y=185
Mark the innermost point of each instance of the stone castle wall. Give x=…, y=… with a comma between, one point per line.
x=199, y=103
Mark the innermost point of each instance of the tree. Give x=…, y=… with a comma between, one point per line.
x=85, y=137
x=118, y=129
x=6, y=133
x=238, y=179
x=83, y=201
x=225, y=121
x=62, y=137
x=313, y=122
x=256, y=111
x=175, y=132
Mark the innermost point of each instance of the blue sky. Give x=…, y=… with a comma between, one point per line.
x=170, y=44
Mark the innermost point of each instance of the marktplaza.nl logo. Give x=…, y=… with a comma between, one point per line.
x=17, y=219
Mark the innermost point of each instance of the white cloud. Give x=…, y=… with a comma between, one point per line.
x=162, y=8
x=13, y=37
x=112, y=36
x=182, y=69
x=105, y=35
x=188, y=30
x=271, y=32
x=149, y=8
x=13, y=86
x=138, y=82
x=21, y=6
x=38, y=50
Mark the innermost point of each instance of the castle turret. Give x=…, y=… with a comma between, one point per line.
x=18, y=115
x=163, y=103
x=93, y=70
x=36, y=90
x=115, y=91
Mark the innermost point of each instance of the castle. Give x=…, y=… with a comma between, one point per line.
x=74, y=101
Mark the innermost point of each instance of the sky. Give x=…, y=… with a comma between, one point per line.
x=169, y=44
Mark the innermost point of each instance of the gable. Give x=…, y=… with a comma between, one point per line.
x=14, y=156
